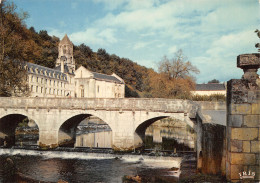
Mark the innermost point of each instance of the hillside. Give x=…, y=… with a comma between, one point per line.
x=44, y=52
x=21, y=43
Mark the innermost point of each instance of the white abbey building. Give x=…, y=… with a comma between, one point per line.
x=65, y=81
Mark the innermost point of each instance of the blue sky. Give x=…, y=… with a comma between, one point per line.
x=211, y=33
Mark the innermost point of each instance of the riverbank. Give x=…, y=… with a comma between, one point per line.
x=187, y=173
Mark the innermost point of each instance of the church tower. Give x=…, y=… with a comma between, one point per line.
x=65, y=58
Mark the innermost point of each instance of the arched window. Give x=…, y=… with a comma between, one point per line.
x=82, y=91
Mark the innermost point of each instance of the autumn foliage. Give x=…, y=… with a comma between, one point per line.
x=22, y=44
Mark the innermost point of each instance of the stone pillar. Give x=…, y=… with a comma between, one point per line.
x=243, y=120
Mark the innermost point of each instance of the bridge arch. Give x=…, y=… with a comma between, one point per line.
x=139, y=133
x=8, y=124
x=67, y=129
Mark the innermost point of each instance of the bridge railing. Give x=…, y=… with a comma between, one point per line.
x=133, y=104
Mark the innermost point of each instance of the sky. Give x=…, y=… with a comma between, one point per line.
x=211, y=33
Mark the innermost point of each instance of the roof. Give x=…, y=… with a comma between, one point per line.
x=52, y=73
x=210, y=87
x=65, y=40
x=106, y=77
x=66, y=69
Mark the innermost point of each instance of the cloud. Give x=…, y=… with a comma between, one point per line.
x=62, y=23
x=143, y=4
x=56, y=32
x=141, y=19
x=211, y=33
x=140, y=45
x=111, y=4
x=94, y=36
x=172, y=50
x=233, y=43
x=219, y=60
x=74, y=5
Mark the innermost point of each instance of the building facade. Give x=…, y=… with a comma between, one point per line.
x=210, y=89
x=65, y=81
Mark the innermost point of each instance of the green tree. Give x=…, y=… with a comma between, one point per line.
x=257, y=45
x=12, y=73
x=213, y=81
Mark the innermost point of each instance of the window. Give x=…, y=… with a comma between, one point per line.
x=36, y=88
x=53, y=83
x=50, y=82
x=31, y=87
x=41, y=89
x=37, y=79
x=61, y=84
x=32, y=78
x=58, y=83
x=41, y=80
x=53, y=91
x=45, y=81
x=50, y=91
x=45, y=90
x=82, y=92
x=98, y=89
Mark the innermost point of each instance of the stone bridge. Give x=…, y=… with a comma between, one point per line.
x=57, y=118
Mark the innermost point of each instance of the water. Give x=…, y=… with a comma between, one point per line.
x=73, y=166
x=51, y=166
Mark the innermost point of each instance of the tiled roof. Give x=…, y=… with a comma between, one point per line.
x=210, y=87
x=66, y=69
x=48, y=72
x=65, y=40
x=106, y=77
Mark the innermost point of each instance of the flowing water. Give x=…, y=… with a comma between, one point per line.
x=52, y=166
x=82, y=165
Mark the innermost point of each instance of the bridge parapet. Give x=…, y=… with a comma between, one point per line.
x=126, y=104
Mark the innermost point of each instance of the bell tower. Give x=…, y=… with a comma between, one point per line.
x=65, y=58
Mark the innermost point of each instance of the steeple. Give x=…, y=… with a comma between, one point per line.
x=65, y=40
x=66, y=55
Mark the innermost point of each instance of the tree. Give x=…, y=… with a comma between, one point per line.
x=12, y=73
x=257, y=45
x=176, y=80
x=177, y=67
x=213, y=81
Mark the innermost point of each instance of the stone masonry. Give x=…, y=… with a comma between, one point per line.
x=56, y=118
x=243, y=121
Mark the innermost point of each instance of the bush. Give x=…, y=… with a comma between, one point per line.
x=214, y=97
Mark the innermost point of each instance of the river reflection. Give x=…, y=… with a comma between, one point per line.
x=170, y=134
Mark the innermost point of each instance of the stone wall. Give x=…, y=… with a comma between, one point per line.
x=243, y=120
x=212, y=148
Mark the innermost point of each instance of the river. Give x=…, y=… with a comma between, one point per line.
x=158, y=163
